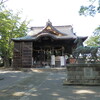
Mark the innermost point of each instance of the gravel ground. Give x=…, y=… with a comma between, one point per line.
x=9, y=78
x=43, y=85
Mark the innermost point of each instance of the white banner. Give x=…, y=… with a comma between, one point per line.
x=62, y=60
x=52, y=59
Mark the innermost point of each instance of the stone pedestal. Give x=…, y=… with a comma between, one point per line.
x=83, y=74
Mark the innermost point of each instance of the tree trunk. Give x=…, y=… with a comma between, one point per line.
x=6, y=62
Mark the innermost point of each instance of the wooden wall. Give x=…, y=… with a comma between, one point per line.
x=17, y=55
x=22, y=55
x=26, y=54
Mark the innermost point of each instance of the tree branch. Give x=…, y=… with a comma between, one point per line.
x=3, y=1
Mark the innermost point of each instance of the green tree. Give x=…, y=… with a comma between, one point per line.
x=11, y=26
x=93, y=41
x=2, y=2
x=91, y=10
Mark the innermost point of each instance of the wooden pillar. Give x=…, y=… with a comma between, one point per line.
x=27, y=54
x=62, y=51
x=17, y=55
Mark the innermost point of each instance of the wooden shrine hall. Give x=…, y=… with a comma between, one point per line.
x=49, y=45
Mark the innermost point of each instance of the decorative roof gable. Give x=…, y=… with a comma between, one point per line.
x=50, y=29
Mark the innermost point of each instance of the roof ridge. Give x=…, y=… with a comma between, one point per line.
x=53, y=26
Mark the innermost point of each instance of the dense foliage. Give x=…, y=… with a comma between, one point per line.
x=11, y=26
x=93, y=41
x=92, y=9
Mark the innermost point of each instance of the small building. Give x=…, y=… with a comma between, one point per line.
x=48, y=45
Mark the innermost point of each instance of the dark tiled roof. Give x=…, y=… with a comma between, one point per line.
x=55, y=32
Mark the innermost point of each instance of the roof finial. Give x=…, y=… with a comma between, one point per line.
x=49, y=22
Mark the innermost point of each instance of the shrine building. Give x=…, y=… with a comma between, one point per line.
x=49, y=45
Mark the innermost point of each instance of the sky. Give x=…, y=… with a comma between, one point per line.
x=59, y=12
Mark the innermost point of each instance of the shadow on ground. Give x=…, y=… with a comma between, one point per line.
x=42, y=85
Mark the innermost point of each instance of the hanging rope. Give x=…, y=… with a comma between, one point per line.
x=46, y=50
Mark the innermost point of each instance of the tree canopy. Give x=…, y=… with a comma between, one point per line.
x=93, y=41
x=11, y=26
x=91, y=10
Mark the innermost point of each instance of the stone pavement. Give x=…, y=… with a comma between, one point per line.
x=48, y=86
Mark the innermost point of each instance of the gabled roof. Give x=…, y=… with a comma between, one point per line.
x=56, y=32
